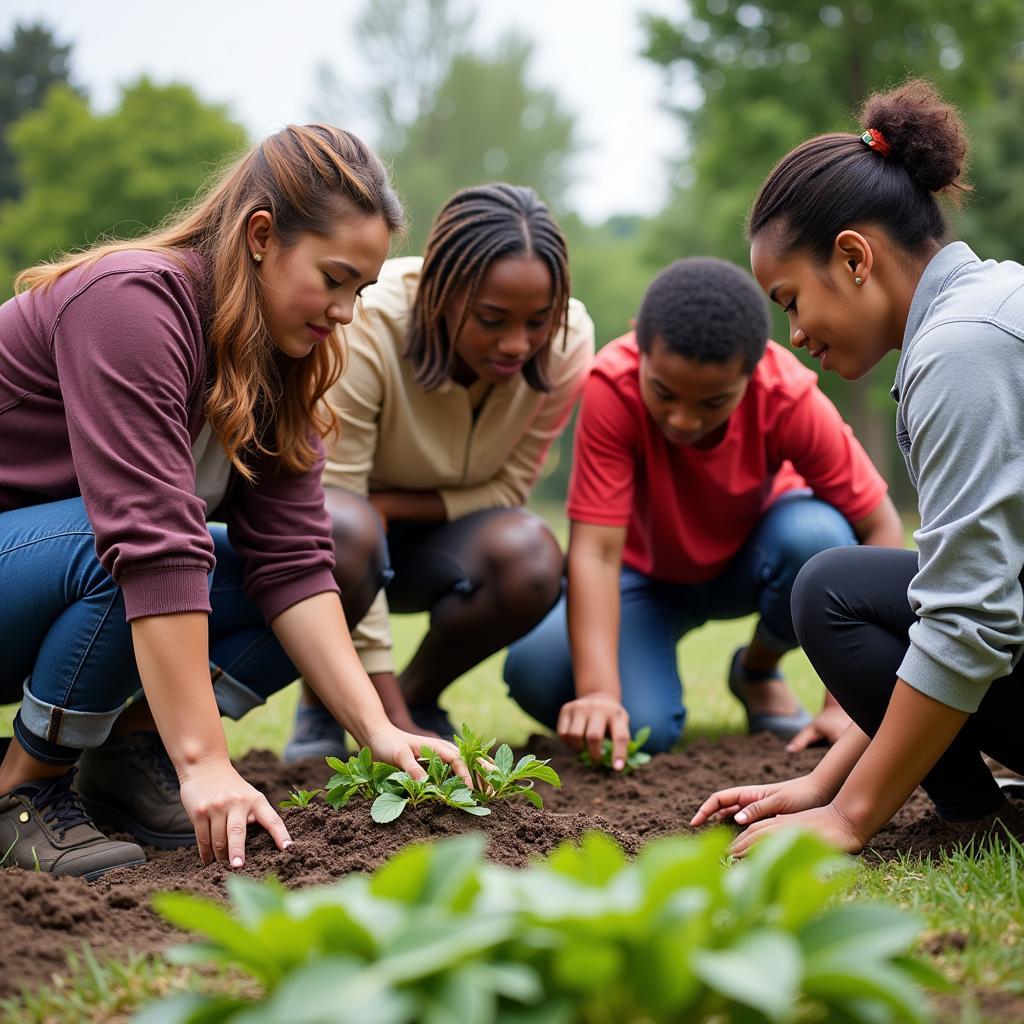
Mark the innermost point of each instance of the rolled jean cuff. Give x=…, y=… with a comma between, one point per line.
x=774, y=643
x=51, y=733
x=234, y=699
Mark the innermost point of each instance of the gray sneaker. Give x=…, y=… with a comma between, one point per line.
x=130, y=785
x=43, y=827
x=317, y=734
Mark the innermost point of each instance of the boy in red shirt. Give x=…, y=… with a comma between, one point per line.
x=708, y=469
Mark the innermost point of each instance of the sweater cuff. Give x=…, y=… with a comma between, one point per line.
x=280, y=598
x=934, y=680
x=165, y=591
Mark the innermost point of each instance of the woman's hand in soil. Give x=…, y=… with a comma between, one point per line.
x=400, y=748
x=587, y=720
x=220, y=804
x=828, y=725
x=828, y=822
x=747, y=804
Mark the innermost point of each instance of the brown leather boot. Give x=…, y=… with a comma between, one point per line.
x=130, y=785
x=43, y=827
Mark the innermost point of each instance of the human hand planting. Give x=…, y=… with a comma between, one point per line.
x=586, y=721
x=220, y=804
x=748, y=804
x=828, y=822
x=400, y=748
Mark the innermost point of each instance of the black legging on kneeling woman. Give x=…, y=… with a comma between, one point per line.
x=852, y=617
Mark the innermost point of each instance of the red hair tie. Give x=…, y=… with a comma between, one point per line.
x=874, y=139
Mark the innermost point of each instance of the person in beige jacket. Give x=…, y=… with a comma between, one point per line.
x=462, y=369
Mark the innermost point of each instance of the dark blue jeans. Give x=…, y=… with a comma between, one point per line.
x=656, y=615
x=67, y=649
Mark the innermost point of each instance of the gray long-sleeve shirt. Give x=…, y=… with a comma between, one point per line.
x=960, y=425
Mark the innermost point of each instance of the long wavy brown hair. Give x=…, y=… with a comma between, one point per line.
x=306, y=177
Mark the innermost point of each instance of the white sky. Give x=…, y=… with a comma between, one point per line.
x=259, y=57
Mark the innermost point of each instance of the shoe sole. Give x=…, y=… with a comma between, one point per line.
x=91, y=876
x=117, y=819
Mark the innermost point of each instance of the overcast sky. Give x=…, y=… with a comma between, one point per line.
x=260, y=56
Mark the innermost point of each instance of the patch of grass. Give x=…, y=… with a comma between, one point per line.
x=91, y=991
x=972, y=902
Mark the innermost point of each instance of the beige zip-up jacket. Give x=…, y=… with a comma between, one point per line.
x=394, y=434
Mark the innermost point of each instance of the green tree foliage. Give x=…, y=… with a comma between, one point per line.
x=769, y=77
x=447, y=116
x=87, y=175
x=31, y=64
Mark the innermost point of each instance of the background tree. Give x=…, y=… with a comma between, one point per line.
x=30, y=65
x=87, y=175
x=770, y=77
x=445, y=115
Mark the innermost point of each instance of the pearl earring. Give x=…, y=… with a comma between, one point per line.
x=858, y=280
x=258, y=258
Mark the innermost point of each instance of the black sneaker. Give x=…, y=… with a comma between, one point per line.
x=130, y=785
x=44, y=827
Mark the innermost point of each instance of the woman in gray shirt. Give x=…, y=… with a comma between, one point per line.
x=921, y=648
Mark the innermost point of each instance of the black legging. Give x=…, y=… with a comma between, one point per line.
x=852, y=617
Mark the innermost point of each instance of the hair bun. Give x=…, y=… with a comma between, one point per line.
x=925, y=134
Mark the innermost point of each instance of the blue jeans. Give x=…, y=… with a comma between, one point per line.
x=67, y=649
x=656, y=615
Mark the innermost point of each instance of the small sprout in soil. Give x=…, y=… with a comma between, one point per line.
x=440, y=785
x=360, y=775
x=299, y=798
x=392, y=790
x=635, y=757
x=498, y=779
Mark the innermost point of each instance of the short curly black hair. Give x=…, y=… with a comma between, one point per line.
x=707, y=310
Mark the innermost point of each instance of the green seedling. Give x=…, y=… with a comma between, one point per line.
x=635, y=757
x=440, y=785
x=360, y=775
x=499, y=779
x=475, y=751
x=299, y=798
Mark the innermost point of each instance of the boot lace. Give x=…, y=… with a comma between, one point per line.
x=156, y=756
x=58, y=804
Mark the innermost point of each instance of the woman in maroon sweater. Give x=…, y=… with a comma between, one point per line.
x=145, y=388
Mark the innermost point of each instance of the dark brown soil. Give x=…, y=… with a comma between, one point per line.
x=42, y=918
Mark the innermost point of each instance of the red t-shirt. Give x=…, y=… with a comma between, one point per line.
x=689, y=510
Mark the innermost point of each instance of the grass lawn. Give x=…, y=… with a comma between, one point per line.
x=972, y=903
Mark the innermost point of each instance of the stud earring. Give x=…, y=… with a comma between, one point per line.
x=858, y=280
x=258, y=258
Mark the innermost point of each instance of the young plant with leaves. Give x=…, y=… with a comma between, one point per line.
x=360, y=776
x=635, y=757
x=401, y=790
x=299, y=798
x=499, y=778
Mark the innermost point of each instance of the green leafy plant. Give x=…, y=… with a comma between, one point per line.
x=360, y=776
x=635, y=757
x=500, y=778
x=299, y=798
x=401, y=790
x=437, y=934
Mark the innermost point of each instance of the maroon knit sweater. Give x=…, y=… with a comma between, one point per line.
x=102, y=382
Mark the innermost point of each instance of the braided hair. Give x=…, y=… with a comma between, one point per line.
x=473, y=229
